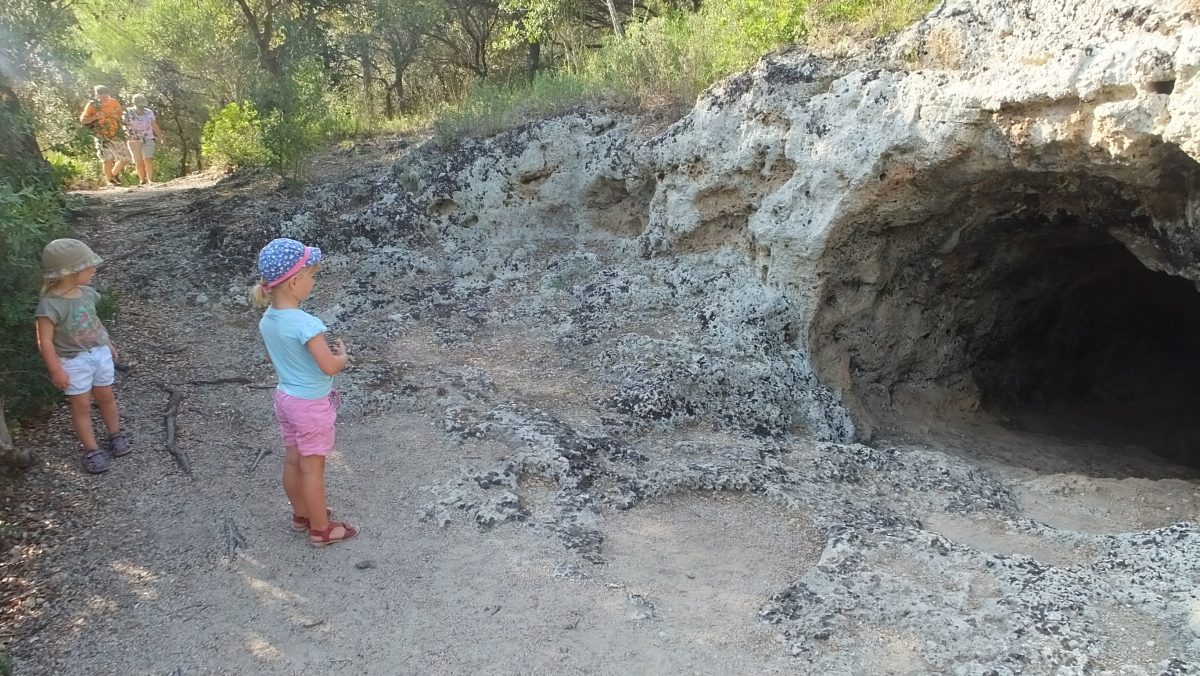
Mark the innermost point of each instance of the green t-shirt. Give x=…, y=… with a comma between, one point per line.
x=77, y=328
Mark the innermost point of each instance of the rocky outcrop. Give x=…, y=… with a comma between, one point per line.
x=11, y=455
x=888, y=236
x=946, y=191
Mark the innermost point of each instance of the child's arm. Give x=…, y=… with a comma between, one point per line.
x=331, y=360
x=45, y=341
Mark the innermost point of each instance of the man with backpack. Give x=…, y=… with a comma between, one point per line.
x=103, y=116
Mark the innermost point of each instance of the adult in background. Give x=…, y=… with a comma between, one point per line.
x=143, y=135
x=103, y=116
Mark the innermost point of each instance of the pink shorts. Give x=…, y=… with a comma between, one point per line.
x=306, y=424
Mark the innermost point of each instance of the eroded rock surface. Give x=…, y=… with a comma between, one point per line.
x=988, y=217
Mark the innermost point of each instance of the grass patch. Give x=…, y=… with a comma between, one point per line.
x=492, y=108
x=835, y=21
x=667, y=61
x=413, y=123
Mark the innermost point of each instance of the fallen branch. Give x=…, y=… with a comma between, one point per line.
x=262, y=453
x=169, y=424
x=233, y=537
x=235, y=380
x=122, y=256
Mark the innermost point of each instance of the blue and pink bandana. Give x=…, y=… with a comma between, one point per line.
x=282, y=258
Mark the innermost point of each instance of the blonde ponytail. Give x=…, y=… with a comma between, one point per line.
x=260, y=297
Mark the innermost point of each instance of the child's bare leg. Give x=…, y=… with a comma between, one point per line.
x=312, y=490
x=81, y=419
x=106, y=401
x=291, y=481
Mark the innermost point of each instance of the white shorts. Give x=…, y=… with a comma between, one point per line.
x=86, y=370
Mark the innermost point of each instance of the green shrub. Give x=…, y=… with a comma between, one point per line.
x=167, y=163
x=300, y=113
x=233, y=137
x=32, y=212
x=29, y=217
x=289, y=140
x=68, y=172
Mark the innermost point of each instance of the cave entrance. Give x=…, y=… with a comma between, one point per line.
x=1024, y=311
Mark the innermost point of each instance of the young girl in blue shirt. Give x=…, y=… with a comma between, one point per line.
x=305, y=363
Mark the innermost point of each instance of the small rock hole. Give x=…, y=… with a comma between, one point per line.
x=1162, y=86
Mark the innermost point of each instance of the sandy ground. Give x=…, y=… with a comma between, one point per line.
x=145, y=579
x=149, y=571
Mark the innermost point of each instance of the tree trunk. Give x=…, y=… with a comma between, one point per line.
x=368, y=68
x=17, y=143
x=262, y=34
x=616, y=18
x=533, y=60
x=396, y=93
x=183, y=143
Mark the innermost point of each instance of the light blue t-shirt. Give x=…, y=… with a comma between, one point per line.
x=286, y=333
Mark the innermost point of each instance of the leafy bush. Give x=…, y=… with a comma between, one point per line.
x=167, y=163
x=32, y=212
x=29, y=218
x=68, y=172
x=233, y=137
x=304, y=114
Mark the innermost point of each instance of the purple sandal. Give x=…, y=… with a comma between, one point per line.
x=96, y=462
x=120, y=444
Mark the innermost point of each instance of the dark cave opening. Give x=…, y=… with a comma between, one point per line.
x=1031, y=315
x=1095, y=346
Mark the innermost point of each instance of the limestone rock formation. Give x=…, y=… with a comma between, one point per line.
x=938, y=223
x=989, y=217
x=11, y=455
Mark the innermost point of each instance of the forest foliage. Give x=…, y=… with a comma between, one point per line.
x=315, y=70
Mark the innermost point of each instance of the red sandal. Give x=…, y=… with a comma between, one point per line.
x=301, y=524
x=323, y=538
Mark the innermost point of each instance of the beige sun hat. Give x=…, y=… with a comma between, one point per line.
x=64, y=257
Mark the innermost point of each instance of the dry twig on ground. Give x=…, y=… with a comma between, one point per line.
x=262, y=453
x=169, y=423
x=233, y=537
